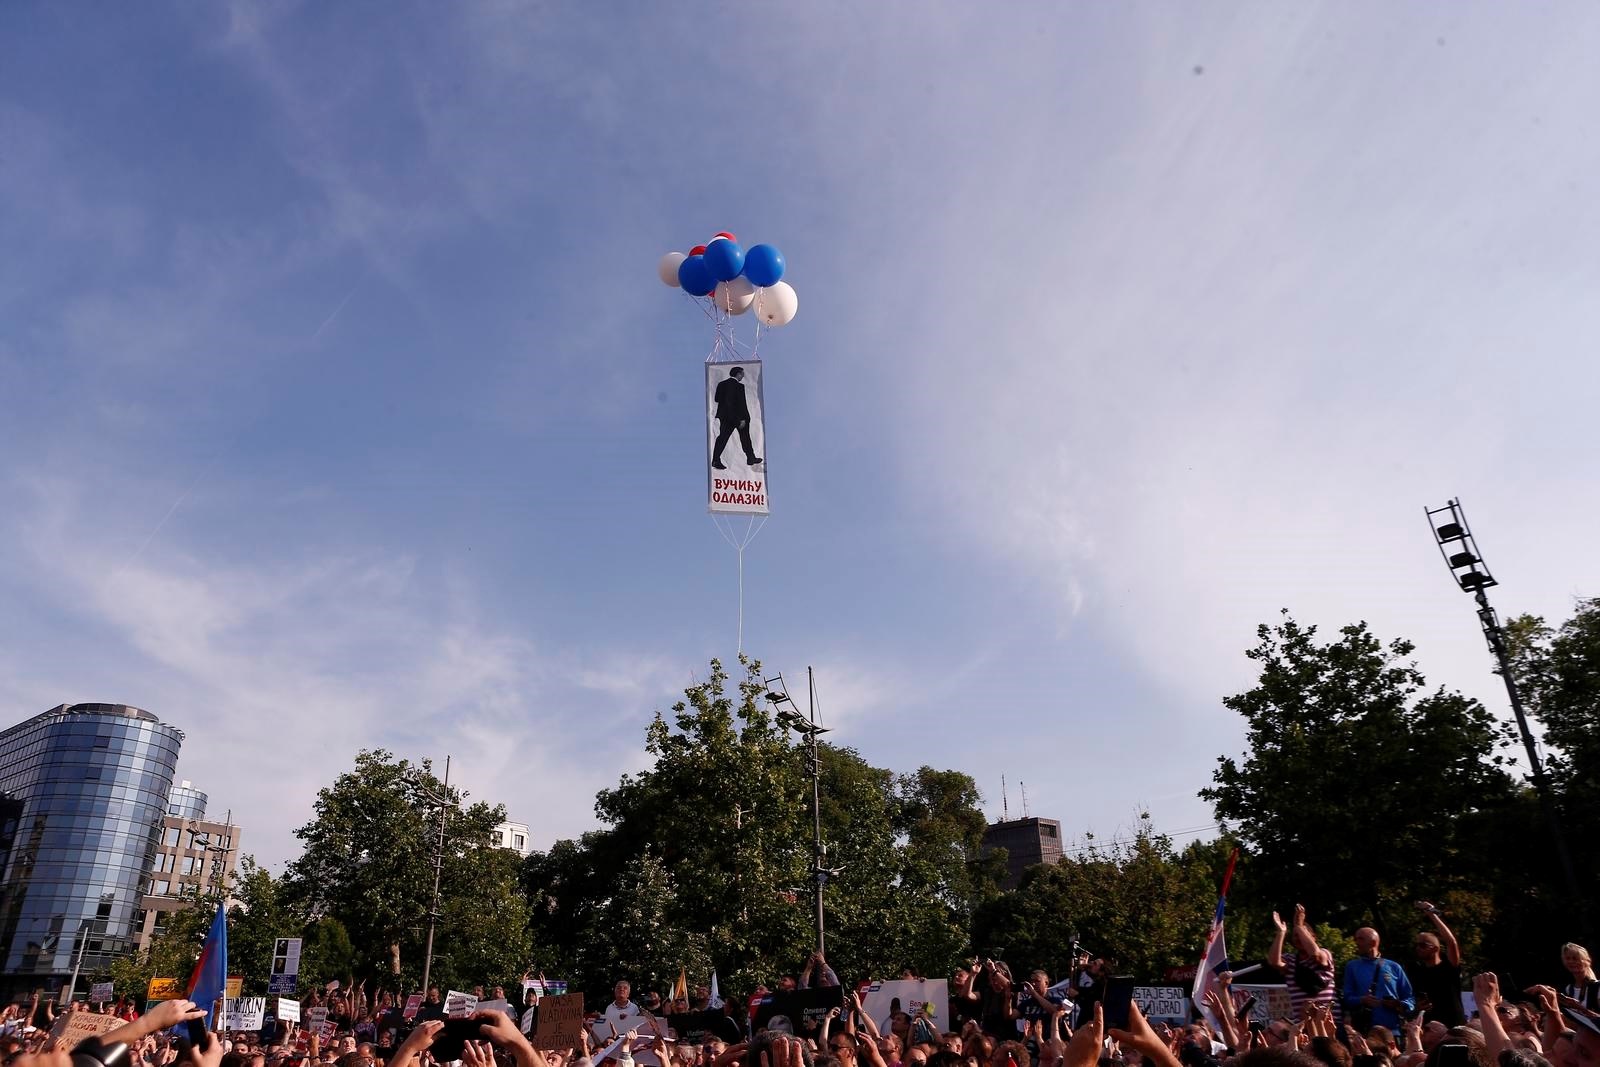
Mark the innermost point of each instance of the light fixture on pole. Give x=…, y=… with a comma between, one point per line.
x=442, y=799
x=807, y=727
x=1472, y=574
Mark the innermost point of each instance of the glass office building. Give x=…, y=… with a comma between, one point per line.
x=186, y=802
x=83, y=790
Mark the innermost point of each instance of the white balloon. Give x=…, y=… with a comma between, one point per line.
x=668, y=268
x=735, y=296
x=776, y=304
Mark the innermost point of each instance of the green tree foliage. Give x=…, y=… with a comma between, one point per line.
x=717, y=838
x=368, y=865
x=1360, y=792
x=172, y=952
x=1558, y=672
x=1136, y=902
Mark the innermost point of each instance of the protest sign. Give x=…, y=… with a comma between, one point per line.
x=234, y=988
x=1169, y=1003
x=1272, y=1001
x=804, y=1008
x=928, y=996
x=459, y=1005
x=315, y=1017
x=329, y=1031
x=501, y=1006
x=285, y=965
x=288, y=1010
x=75, y=1026
x=245, y=1013
x=413, y=1005
x=100, y=993
x=560, y=1022
x=164, y=989
x=696, y=1027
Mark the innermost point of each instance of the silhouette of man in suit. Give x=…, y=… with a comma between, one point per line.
x=732, y=414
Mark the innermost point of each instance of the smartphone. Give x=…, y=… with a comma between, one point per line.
x=1118, y=999
x=447, y=1044
x=192, y=1031
x=1245, y=1009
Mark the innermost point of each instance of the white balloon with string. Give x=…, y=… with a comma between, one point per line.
x=735, y=297
x=667, y=269
x=776, y=304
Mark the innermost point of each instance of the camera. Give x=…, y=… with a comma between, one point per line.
x=92, y=1052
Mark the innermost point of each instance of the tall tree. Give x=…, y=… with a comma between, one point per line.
x=368, y=863
x=1359, y=794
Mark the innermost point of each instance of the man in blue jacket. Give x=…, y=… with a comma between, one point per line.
x=1376, y=990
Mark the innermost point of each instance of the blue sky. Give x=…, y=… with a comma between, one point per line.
x=342, y=406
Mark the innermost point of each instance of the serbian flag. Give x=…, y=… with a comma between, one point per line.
x=1215, y=960
x=210, y=978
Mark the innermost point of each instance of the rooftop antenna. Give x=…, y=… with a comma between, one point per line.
x=1005, y=808
x=1024, y=787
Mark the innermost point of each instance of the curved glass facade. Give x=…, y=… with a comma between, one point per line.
x=186, y=802
x=87, y=786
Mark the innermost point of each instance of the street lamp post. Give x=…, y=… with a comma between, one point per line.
x=1461, y=555
x=807, y=726
x=438, y=867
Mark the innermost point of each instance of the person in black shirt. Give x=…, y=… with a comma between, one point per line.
x=1436, y=979
x=733, y=414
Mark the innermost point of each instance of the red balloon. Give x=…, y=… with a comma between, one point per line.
x=726, y=234
x=698, y=250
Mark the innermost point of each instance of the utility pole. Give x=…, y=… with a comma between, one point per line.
x=819, y=873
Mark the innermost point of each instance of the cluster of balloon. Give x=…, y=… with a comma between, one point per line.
x=736, y=279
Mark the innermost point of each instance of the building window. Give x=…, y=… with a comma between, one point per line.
x=521, y=842
x=171, y=840
x=499, y=839
x=1049, y=831
x=162, y=889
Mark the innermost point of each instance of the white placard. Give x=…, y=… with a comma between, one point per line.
x=883, y=999
x=246, y=1013
x=288, y=1010
x=459, y=1005
x=736, y=439
x=315, y=1017
x=1164, y=1002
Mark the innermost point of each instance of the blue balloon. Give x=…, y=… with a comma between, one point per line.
x=763, y=265
x=725, y=259
x=695, y=276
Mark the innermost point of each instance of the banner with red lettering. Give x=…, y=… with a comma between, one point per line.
x=736, y=438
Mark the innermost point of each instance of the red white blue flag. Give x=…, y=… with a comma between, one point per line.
x=1215, y=959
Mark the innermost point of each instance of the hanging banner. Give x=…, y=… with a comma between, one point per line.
x=736, y=438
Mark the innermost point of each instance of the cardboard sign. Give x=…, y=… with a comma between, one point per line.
x=288, y=1010
x=804, y=1008
x=560, y=1022
x=246, y=1013
x=234, y=988
x=459, y=1005
x=164, y=989
x=413, y=1005
x=1272, y=1001
x=1169, y=1003
x=75, y=1026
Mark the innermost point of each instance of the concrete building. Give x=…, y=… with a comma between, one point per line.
x=193, y=856
x=83, y=791
x=512, y=835
x=1027, y=842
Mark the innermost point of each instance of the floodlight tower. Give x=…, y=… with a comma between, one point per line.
x=1461, y=555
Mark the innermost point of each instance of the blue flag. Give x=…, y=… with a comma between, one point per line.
x=210, y=978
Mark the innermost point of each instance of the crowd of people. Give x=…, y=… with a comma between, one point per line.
x=1371, y=1012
